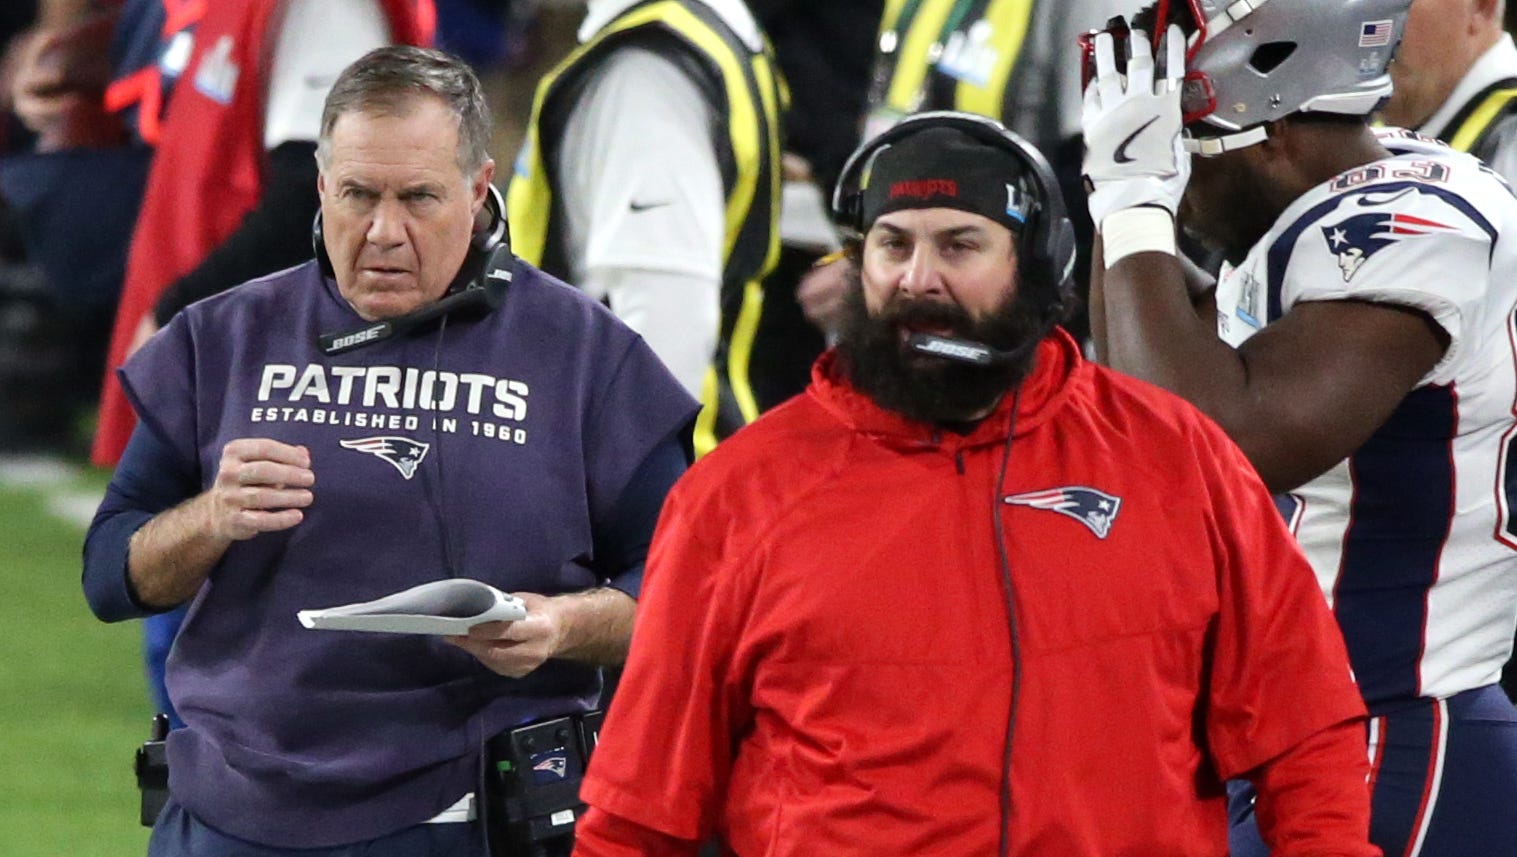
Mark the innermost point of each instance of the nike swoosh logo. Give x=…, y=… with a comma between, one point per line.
x=1121, y=156
x=1370, y=199
x=644, y=206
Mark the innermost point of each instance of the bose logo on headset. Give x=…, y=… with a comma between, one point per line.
x=480, y=285
x=1046, y=244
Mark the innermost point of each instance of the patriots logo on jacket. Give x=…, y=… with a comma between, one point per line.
x=1363, y=235
x=402, y=452
x=1095, y=509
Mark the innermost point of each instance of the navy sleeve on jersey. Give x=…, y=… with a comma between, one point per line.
x=622, y=548
x=149, y=480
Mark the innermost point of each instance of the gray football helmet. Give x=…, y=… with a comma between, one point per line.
x=1254, y=61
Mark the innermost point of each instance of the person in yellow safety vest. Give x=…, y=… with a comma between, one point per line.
x=1456, y=79
x=826, y=53
x=981, y=56
x=650, y=177
x=1015, y=61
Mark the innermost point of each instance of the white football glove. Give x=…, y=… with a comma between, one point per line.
x=1133, y=154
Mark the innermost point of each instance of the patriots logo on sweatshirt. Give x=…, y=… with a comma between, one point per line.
x=1095, y=509
x=402, y=452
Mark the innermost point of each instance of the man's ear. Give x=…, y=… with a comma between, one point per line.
x=1490, y=10
x=481, y=184
x=1285, y=147
x=1279, y=140
x=1276, y=161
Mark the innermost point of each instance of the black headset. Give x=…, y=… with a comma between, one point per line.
x=1046, y=244
x=479, y=287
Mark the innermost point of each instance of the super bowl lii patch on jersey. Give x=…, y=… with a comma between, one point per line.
x=1248, y=310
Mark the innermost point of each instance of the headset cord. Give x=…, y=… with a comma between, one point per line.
x=1008, y=590
x=435, y=500
x=474, y=727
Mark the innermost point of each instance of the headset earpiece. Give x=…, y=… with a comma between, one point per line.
x=497, y=233
x=1046, y=246
x=319, y=246
x=849, y=210
x=485, y=245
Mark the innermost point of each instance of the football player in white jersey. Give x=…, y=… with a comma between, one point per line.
x=1359, y=345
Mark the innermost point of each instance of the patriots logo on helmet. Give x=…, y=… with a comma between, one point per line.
x=405, y=454
x=1363, y=235
x=1095, y=509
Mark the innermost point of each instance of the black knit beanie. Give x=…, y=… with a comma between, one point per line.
x=947, y=168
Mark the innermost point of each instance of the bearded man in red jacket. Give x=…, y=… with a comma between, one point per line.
x=971, y=594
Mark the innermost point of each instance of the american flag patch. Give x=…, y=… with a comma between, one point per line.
x=1375, y=34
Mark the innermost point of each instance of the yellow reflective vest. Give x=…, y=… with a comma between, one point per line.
x=950, y=55
x=1471, y=130
x=745, y=87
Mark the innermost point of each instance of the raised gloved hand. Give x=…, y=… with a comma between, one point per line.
x=1133, y=155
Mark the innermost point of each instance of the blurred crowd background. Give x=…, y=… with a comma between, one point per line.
x=54, y=328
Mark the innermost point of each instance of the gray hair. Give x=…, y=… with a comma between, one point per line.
x=385, y=79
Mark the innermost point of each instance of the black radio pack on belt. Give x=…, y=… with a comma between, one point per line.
x=532, y=779
x=152, y=765
x=531, y=789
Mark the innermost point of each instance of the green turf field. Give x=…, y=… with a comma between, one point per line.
x=73, y=705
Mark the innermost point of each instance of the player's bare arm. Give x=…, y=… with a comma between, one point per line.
x=1297, y=397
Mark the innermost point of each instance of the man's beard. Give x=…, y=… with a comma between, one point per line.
x=921, y=387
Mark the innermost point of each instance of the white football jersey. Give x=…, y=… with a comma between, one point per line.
x=1412, y=537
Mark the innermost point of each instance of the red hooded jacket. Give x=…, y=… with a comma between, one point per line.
x=823, y=662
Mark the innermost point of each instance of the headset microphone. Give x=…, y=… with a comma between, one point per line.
x=966, y=350
x=480, y=286
x=475, y=298
x=338, y=343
